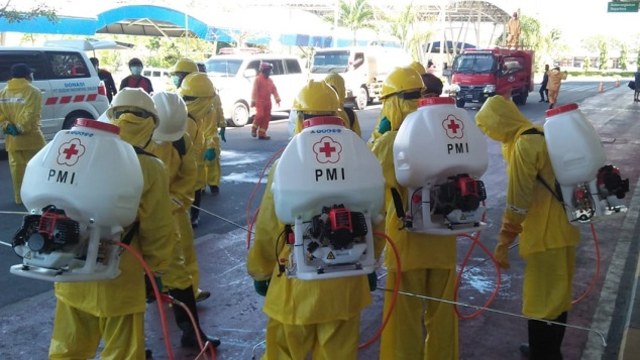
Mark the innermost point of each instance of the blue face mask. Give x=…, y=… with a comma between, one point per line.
x=136, y=70
x=176, y=80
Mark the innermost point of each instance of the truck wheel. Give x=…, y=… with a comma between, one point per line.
x=362, y=99
x=240, y=114
x=460, y=103
x=521, y=98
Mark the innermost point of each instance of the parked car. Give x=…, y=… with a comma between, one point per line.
x=69, y=84
x=159, y=77
x=233, y=77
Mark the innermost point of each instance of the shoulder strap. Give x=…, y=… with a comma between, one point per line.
x=128, y=237
x=141, y=151
x=192, y=118
x=181, y=146
x=352, y=116
x=557, y=193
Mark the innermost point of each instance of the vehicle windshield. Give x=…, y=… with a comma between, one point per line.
x=474, y=63
x=326, y=61
x=223, y=67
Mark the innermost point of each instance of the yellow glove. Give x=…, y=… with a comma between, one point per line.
x=501, y=252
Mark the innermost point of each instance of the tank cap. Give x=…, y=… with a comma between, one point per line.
x=436, y=100
x=322, y=120
x=95, y=124
x=561, y=109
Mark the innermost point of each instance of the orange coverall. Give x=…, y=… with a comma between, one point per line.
x=263, y=88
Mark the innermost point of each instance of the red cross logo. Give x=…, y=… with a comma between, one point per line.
x=453, y=127
x=70, y=152
x=327, y=150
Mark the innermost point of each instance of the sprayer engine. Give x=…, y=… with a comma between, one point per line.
x=50, y=240
x=335, y=243
x=459, y=195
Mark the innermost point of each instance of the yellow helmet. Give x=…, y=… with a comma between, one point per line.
x=418, y=67
x=197, y=85
x=133, y=98
x=317, y=97
x=184, y=65
x=337, y=83
x=401, y=80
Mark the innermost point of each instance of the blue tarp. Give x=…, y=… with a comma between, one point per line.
x=42, y=25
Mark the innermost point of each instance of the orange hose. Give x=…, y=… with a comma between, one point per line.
x=475, y=240
x=596, y=275
x=156, y=292
x=394, y=296
x=251, y=219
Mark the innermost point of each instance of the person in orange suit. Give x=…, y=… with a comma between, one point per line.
x=263, y=89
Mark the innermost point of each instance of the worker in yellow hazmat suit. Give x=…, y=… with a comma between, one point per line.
x=174, y=148
x=406, y=89
x=347, y=114
x=428, y=261
x=213, y=135
x=547, y=240
x=20, y=107
x=113, y=310
x=318, y=317
x=198, y=93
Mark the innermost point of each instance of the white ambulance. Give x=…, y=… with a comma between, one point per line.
x=69, y=84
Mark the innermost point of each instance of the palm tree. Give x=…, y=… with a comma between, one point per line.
x=355, y=14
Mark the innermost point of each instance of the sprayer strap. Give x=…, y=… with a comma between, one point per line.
x=128, y=237
x=397, y=202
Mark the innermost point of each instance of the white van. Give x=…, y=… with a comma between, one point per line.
x=363, y=69
x=160, y=78
x=69, y=84
x=233, y=77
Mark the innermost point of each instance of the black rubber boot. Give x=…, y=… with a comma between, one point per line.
x=545, y=340
x=183, y=321
x=195, y=213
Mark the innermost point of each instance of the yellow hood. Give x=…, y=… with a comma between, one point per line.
x=501, y=120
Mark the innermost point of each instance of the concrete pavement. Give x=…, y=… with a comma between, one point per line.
x=234, y=311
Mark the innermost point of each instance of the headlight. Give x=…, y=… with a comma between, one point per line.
x=454, y=88
x=489, y=89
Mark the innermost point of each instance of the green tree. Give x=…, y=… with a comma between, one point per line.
x=402, y=24
x=599, y=44
x=11, y=15
x=586, y=64
x=623, y=56
x=355, y=14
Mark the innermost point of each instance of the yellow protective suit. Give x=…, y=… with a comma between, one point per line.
x=553, y=85
x=114, y=310
x=181, y=170
x=212, y=167
x=547, y=239
x=318, y=317
x=428, y=268
x=394, y=110
x=21, y=106
x=199, y=127
x=513, y=32
x=336, y=81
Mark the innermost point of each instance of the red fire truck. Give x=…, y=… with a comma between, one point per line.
x=478, y=74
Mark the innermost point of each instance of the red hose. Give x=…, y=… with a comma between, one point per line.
x=475, y=240
x=394, y=296
x=251, y=219
x=596, y=275
x=156, y=292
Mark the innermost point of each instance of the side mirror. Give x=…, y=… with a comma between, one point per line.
x=250, y=73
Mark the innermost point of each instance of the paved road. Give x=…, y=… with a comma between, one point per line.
x=234, y=311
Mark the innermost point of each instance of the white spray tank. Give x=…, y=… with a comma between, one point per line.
x=439, y=153
x=82, y=189
x=328, y=185
x=590, y=189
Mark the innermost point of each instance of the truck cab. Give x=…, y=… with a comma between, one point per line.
x=478, y=74
x=363, y=69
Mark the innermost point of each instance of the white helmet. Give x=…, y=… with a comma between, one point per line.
x=104, y=118
x=133, y=97
x=172, y=116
